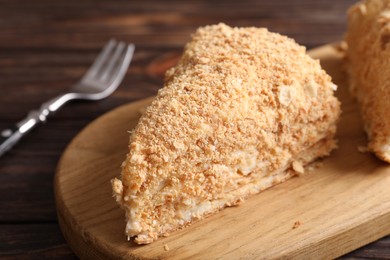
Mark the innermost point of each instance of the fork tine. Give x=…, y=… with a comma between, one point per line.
x=106, y=72
x=120, y=70
x=99, y=61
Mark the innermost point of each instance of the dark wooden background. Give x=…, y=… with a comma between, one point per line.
x=47, y=45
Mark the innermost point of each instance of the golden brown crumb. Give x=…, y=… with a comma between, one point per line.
x=362, y=149
x=368, y=54
x=166, y=248
x=297, y=224
x=240, y=107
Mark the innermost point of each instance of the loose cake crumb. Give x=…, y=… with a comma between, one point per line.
x=296, y=224
x=166, y=248
x=362, y=149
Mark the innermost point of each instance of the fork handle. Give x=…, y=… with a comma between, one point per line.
x=9, y=137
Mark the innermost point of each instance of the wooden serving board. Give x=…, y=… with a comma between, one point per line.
x=340, y=206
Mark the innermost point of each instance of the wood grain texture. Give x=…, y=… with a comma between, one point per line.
x=47, y=45
x=342, y=205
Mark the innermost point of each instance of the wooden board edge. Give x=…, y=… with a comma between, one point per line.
x=321, y=249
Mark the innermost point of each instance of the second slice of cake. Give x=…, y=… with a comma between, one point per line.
x=243, y=110
x=368, y=65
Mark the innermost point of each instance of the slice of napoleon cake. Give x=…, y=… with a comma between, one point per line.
x=368, y=64
x=243, y=110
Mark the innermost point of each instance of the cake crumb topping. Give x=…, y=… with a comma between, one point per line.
x=234, y=116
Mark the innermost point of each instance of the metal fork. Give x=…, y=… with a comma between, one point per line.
x=102, y=78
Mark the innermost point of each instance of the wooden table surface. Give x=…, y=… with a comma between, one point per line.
x=47, y=45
